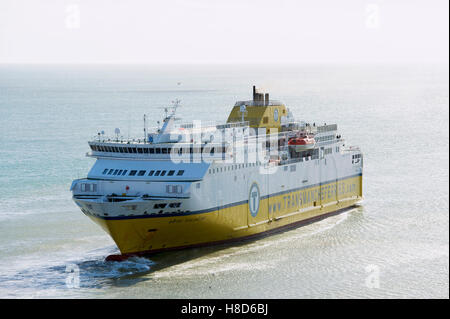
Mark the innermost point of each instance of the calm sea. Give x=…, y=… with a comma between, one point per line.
x=394, y=245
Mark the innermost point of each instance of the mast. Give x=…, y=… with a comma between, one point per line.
x=145, y=130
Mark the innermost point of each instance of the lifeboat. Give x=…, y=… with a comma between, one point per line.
x=302, y=143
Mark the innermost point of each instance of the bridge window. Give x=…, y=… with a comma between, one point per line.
x=140, y=150
x=180, y=172
x=132, y=173
x=120, y=172
x=151, y=173
x=110, y=171
x=171, y=173
x=141, y=173
x=157, y=150
x=145, y=150
x=157, y=173
x=163, y=173
x=115, y=172
x=178, y=189
x=152, y=150
x=124, y=172
x=105, y=171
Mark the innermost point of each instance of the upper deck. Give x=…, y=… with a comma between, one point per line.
x=261, y=126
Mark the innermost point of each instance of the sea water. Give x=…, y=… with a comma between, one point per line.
x=394, y=245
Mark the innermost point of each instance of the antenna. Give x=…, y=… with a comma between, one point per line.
x=243, y=111
x=173, y=107
x=117, y=131
x=145, y=130
x=176, y=103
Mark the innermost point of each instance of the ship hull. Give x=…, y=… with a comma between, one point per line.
x=258, y=235
x=143, y=235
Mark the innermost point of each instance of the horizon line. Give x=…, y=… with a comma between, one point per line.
x=403, y=62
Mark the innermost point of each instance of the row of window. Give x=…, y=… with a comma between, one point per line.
x=88, y=187
x=292, y=168
x=156, y=150
x=356, y=158
x=163, y=205
x=120, y=172
x=174, y=189
x=232, y=167
x=324, y=138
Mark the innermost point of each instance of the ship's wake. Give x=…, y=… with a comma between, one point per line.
x=92, y=271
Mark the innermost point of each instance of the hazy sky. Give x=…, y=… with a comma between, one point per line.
x=148, y=31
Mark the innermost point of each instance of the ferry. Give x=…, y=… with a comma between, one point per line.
x=185, y=185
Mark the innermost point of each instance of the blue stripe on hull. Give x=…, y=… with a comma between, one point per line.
x=227, y=205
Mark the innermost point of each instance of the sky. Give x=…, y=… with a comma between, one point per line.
x=227, y=31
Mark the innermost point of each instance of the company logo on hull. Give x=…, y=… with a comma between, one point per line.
x=253, y=200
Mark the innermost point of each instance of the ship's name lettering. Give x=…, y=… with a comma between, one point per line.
x=306, y=197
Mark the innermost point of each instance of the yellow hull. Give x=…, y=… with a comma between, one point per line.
x=142, y=235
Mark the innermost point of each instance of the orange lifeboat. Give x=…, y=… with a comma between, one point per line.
x=302, y=143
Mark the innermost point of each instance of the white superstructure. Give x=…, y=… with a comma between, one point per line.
x=220, y=182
